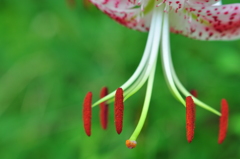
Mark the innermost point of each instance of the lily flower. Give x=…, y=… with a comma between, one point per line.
x=197, y=19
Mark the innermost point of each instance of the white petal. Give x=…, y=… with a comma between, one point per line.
x=208, y=23
x=203, y=2
x=125, y=13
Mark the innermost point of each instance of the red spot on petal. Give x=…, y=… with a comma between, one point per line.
x=118, y=110
x=225, y=13
x=105, y=1
x=190, y=118
x=87, y=113
x=104, y=109
x=223, y=121
x=228, y=27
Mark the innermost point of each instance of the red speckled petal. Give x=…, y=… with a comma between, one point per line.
x=125, y=13
x=208, y=23
x=203, y=2
x=129, y=14
x=175, y=4
x=114, y=4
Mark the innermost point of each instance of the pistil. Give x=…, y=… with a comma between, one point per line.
x=156, y=26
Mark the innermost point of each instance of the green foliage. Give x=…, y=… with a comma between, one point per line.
x=51, y=55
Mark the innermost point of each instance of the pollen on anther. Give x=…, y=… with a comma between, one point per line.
x=104, y=109
x=87, y=113
x=118, y=110
x=194, y=94
x=223, y=125
x=131, y=144
x=190, y=118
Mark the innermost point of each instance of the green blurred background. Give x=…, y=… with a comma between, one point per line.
x=52, y=53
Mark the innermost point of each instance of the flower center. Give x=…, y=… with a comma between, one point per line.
x=158, y=36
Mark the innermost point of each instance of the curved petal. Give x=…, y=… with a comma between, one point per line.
x=125, y=13
x=208, y=23
x=176, y=5
x=114, y=4
x=203, y=2
x=134, y=14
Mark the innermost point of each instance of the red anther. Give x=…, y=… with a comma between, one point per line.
x=194, y=93
x=104, y=109
x=190, y=118
x=87, y=113
x=223, y=121
x=118, y=110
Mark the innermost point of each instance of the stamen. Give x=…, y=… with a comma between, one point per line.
x=139, y=2
x=166, y=61
x=189, y=17
x=183, y=89
x=136, y=75
x=104, y=109
x=87, y=113
x=190, y=118
x=142, y=7
x=131, y=144
x=159, y=4
x=194, y=93
x=156, y=29
x=118, y=110
x=223, y=121
x=166, y=9
x=155, y=40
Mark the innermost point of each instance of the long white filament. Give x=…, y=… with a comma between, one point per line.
x=166, y=56
x=140, y=67
x=170, y=73
x=186, y=93
x=153, y=56
x=146, y=65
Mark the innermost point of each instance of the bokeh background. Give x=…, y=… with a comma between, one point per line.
x=53, y=52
